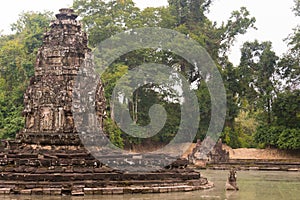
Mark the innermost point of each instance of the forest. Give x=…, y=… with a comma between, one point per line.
x=263, y=90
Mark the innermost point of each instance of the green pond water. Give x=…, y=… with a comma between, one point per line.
x=256, y=185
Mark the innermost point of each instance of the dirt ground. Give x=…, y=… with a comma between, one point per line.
x=263, y=154
x=267, y=154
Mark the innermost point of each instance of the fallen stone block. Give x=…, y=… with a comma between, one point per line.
x=26, y=192
x=37, y=191
x=88, y=191
x=5, y=190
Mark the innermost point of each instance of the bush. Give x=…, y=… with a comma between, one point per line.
x=278, y=136
x=289, y=139
x=268, y=135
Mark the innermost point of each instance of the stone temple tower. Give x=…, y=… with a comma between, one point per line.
x=48, y=157
x=48, y=99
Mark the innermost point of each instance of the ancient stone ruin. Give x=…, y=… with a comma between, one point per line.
x=231, y=181
x=48, y=157
x=48, y=99
x=202, y=154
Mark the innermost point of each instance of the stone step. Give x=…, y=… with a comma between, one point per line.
x=263, y=162
x=92, y=183
x=50, y=160
x=57, y=177
x=76, y=189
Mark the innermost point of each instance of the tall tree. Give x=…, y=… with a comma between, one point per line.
x=284, y=132
x=103, y=19
x=256, y=75
x=290, y=63
x=189, y=11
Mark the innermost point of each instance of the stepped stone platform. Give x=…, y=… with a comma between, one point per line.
x=48, y=158
x=71, y=170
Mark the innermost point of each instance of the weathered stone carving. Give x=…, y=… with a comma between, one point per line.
x=231, y=181
x=48, y=99
x=218, y=154
x=203, y=152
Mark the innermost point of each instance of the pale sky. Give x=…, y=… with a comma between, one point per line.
x=275, y=19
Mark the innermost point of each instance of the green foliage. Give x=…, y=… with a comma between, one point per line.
x=157, y=17
x=186, y=16
x=246, y=125
x=280, y=137
x=189, y=11
x=204, y=108
x=284, y=132
x=239, y=22
x=192, y=21
x=232, y=88
x=257, y=74
x=103, y=19
x=231, y=137
x=241, y=135
x=17, y=58
x=289, y=139
x=289, y=70
x=143, y=98
x=283, y=121
x=111, y=76
x=268, y=135
x=114, y=132
x=290, y=63
x=286, y=108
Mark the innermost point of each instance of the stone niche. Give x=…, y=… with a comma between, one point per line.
x=46, y=119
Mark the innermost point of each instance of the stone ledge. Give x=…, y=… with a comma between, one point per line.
x=106, y=190
x=5, y=190
x=144, y=190
x=96, y=188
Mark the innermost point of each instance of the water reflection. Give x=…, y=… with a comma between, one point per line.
x=254, y=185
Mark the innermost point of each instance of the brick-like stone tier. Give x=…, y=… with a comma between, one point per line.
x=48, y=158
x=71, y=170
